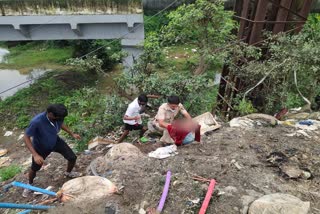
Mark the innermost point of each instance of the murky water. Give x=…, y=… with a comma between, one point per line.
x=12, y=80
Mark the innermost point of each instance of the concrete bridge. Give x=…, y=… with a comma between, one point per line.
x=24, y=20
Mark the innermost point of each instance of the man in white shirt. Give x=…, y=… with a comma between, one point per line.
x=132, y=118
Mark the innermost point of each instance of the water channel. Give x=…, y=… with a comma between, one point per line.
x=12, y=80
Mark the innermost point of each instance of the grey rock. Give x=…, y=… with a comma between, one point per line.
x=279, y=203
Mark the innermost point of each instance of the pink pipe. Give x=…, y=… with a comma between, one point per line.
x=208, y=197
x=164, y=193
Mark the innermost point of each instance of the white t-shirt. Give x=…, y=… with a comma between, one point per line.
x=132, y=111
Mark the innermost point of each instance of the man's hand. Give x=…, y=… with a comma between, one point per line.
x=38, y=159
x=137, y=117
x=76, y=136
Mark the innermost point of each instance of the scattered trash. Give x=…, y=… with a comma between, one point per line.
x=4, y=161
x=144, y=140
x=294, y=172
x=8, y=133
x=193, y=202
x=207, y=199
x=99, y=141
x=236, y=164
x=164, y=152
x=3, y=152
x=242, y=122
x=264, y=118
x=277, y=158
x=40, y=193
x=20, y=138
x=207, y=122
x=306, y=122
x=87, y=152
x=164, y=193
x=251, y=120
x=298, y=116
x=287, y=123
x=280, y=115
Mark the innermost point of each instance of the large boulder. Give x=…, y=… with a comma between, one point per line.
x=279, y=203
x=87, y=188
x=123, y=150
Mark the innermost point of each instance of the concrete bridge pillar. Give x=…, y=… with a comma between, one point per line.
x=134, y=49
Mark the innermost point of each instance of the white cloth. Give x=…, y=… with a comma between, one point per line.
x=132, y=111
x=164, y=152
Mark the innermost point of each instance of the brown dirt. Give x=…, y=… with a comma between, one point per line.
x=143, y=178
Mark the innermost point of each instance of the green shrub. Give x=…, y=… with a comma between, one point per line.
x=196, y=92
x=245, y=107
x=9, y=172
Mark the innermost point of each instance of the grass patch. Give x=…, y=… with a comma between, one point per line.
x=17, y=110
x=9, y=172
x=181, y=57
x=90, y=113
x=35, y=54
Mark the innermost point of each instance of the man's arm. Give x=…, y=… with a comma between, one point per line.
x=153, y=96
x=37, y=158
x=163, y=124
x=186, y=115
x=126, y=117
x=66, y=129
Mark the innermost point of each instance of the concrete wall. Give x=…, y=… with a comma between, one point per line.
x=69, y=7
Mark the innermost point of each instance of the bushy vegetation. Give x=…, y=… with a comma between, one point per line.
x=108, y=51
x=92, y=114
x=288, y=55
x=196, y=92
x=177, y=61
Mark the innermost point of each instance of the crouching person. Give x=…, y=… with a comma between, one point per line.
x=132, y=118
x=165, y=116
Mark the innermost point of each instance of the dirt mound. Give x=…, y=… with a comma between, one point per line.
x=238, y=159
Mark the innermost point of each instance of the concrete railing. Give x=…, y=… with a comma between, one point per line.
x=69, y=7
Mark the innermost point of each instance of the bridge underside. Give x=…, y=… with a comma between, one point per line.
x=128, y=28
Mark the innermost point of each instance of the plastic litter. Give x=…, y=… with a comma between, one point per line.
x=306, y=122
x=164, y=152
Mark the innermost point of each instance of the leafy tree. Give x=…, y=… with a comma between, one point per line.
x=288, y=55
x=204, y=24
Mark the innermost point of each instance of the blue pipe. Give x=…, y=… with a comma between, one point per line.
x=36, y=189
x=24, y=206
x=7, y=187
x=24, y=212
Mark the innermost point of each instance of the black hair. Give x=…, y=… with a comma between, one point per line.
x=58, y=110
x=143, y=98
x=173, y=100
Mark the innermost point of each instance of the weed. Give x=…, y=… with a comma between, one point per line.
x=9, y=172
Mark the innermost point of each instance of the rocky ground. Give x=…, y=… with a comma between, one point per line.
x=246, y=163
